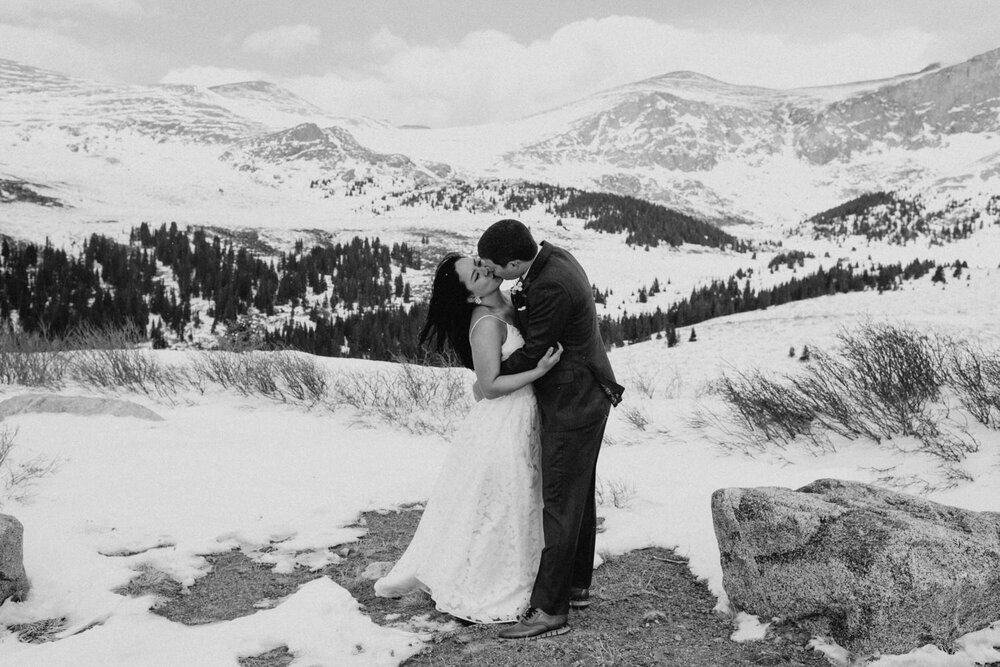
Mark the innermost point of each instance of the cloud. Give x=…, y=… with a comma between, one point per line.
x=283, y=41
x=51, y=50
x=488, y=75
x=206, y=76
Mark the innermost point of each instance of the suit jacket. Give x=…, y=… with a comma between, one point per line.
x=555, y=303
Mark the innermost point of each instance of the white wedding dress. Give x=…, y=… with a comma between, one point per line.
x=477, y=546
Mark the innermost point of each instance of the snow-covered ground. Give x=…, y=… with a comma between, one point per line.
x=283, y=483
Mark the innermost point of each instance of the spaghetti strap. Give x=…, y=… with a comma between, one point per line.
x=476, y=323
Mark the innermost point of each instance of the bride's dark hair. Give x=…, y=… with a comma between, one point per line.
x=449, y=312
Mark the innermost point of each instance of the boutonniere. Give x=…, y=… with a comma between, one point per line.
x=517, y=295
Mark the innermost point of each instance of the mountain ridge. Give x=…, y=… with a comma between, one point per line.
x=707, y=147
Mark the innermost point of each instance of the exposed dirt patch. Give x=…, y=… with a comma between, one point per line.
x=236, y=586
x=648, y=609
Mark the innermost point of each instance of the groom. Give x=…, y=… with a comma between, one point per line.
x=554, y=302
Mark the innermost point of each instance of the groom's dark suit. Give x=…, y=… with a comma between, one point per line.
x=555, y=304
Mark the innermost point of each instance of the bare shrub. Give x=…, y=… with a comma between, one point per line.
x=131, y=369
x=636, y=416
x=92, y=337
x=643, y=381
x=616, y=492
x=304, y=380
x=647, y=381
x=765, y=405
x=16, y=480
x=31, y=360
x=418, y=398
x=280, y=376
x=975, y=375
x=259, y=375
x=222, y=368
x=901, y=368
x=886, y=381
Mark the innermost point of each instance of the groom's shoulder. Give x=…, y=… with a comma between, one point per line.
x=556, y=252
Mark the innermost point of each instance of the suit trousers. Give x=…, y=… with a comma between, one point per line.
x=569, y=517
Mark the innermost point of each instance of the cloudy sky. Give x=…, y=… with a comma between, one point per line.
x=455, y=62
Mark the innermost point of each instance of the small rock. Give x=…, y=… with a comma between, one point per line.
x=653, y=616
x=463, y=638
x=377, y=570
x=266, y=603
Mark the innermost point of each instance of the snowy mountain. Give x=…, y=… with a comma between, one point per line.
x=725, y=152
x=326, y=155
x=39, y=102
x=702, y=144
x=278, y=108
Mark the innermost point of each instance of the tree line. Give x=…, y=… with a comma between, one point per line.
x=150, y=282
x=728, y=297
x=887, y=216
x=160, y=271
x=643, y=223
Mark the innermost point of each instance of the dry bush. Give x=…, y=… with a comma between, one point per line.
x=16, y=480
x=93, y=337
x=900, y=368
x=304, y=380
x=643, y=381
x=126, y=368
x=280, y=376
x=885, y=381
x=221, y=368
x=418, y=398
x=648, y=381
x=31, y=360
x=635, y=416
x=616, y=492
x=764, y=405
x=975, y=375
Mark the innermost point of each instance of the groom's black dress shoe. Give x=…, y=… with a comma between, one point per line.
x=536, y=624
x=579, y=598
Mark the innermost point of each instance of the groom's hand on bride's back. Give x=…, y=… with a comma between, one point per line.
x=550, y=358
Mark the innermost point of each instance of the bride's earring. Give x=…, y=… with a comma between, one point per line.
x=478, y=301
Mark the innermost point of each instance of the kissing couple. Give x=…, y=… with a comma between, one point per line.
x=509, y=529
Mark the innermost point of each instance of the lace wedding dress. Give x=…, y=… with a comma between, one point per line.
x=477, y=546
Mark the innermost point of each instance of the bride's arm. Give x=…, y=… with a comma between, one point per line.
x=487, y=338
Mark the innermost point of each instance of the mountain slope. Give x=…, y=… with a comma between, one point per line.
x=721, y=151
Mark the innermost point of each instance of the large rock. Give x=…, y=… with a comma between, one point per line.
x=13, y=580
x=879, y=571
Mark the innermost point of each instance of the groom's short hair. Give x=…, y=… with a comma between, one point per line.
x=507, y=240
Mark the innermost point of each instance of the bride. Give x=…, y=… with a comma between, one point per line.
x=477, y=546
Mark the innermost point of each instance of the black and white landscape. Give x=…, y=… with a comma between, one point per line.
x=729, y=230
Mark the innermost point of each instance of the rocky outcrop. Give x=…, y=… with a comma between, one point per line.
x=878, y=570
x=13, y=580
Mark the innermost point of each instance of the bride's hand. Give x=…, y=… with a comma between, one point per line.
x=551, y=358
